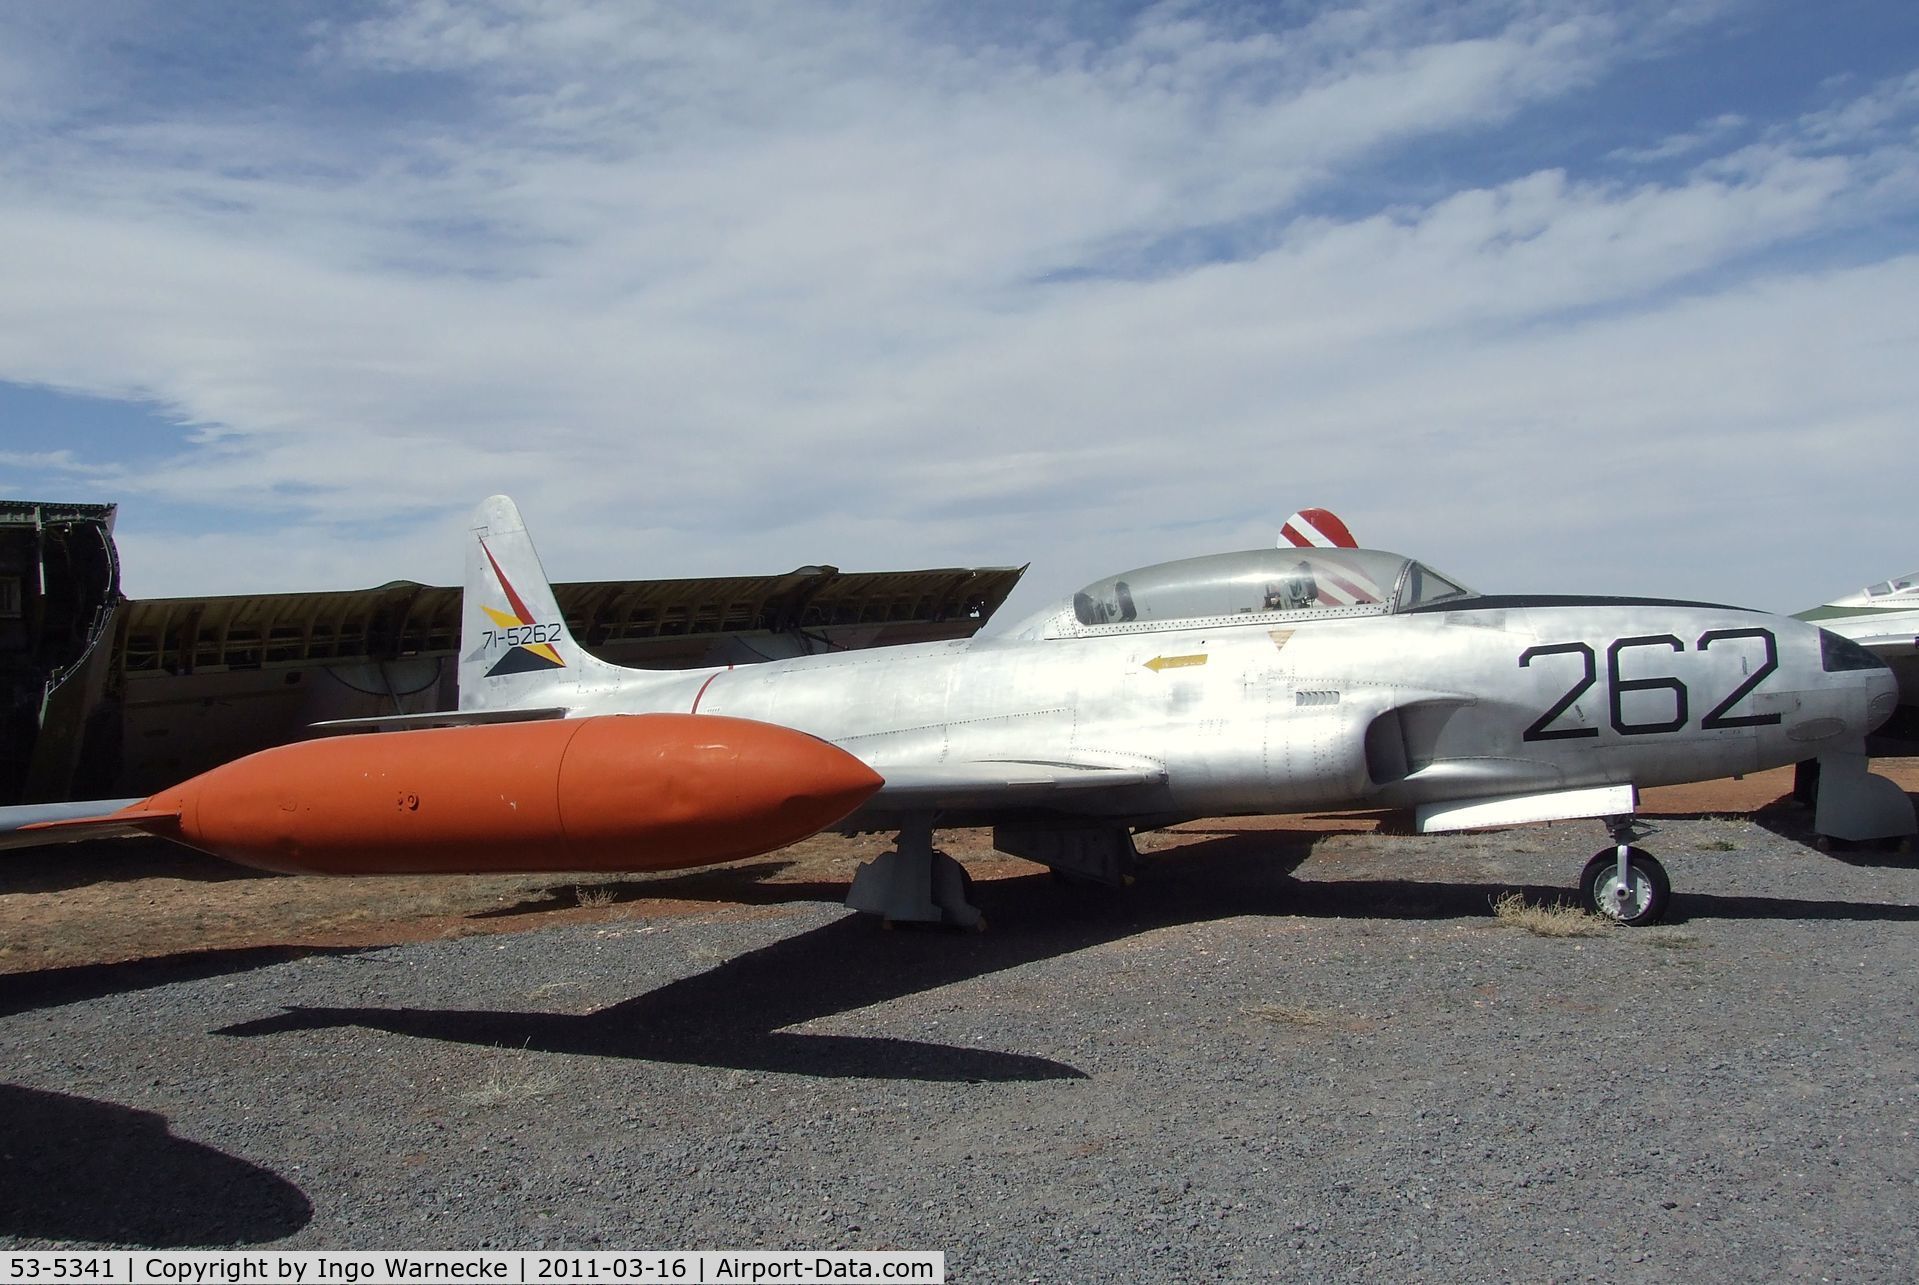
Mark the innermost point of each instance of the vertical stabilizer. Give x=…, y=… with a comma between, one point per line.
x=515, y=648
x=1316, y=529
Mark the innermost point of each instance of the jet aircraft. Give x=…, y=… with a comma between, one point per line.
x=1274, y=680
x=1306, y=676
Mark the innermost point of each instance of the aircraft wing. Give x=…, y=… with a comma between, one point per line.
x=1885, y=643
x=37, y=824
x=982, y=782
x=440, y=718
x=1890, y=635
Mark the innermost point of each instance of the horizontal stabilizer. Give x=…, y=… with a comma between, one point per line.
x=989, y=781
x=1524, y=809
x=36, y=825
x=440, y=718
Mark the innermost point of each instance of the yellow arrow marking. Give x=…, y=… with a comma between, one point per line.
x=1158, y=663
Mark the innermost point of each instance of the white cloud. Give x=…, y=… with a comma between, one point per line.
x=1884, y=110
x=834, y=284
x=1708, y=133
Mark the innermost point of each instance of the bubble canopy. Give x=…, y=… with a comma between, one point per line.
x=1900, y=585
x=1304, y=583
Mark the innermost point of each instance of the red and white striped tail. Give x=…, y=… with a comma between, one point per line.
x=1345, y=590
x=1316, y=529
x=1321, y=529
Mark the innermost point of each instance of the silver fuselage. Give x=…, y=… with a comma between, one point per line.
x=1268, y=712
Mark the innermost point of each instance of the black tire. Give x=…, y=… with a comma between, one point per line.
x=1651, y=891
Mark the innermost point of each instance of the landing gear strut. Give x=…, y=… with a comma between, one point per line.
x=1624, y=883
x=916, y=883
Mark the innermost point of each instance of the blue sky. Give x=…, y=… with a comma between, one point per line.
x=1558, y=295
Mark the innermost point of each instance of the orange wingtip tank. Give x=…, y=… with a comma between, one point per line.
x=618, y=792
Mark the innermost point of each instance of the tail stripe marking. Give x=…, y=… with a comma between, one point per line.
x=700, y=695
x=1317, y=528
x=513, y=599
x=524, y=657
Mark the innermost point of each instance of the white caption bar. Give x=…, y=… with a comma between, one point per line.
x=364, y=1267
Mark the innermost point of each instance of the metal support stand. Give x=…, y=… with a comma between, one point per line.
x=915, y=883
x=1857, y=805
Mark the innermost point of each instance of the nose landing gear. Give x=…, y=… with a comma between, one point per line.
x=1624, y=883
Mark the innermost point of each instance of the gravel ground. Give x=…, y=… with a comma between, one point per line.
x=1267, y=1058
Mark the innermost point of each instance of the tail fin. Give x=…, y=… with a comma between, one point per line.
x=515, y=648
x=1316, y=528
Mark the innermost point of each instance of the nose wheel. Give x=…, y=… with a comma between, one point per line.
x=1626, y=885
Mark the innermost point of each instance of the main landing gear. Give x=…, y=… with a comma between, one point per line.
x=1624, y=883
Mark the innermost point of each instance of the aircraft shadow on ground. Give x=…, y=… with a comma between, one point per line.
x=52, y=987
x=1792, y=821
x=751, y=885
x=737, y=1015
x=732, y=1015
x=76, y=1169
x=79, y=865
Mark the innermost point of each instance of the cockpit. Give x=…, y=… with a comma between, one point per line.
x=1902, y=586
x=1900, y=591
x=1282, y=583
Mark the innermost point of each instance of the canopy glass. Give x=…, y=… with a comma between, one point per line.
x=1288, y=582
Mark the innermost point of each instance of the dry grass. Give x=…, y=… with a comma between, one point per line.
x=507, y=1084
x=1286, y=1014
x=593, y=898
x=1557, y=920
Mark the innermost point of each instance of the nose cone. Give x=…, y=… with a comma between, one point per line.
x=1874, y=678
x=795, y=779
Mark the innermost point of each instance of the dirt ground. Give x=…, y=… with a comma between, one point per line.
x=108, y=902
